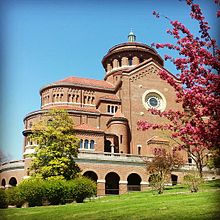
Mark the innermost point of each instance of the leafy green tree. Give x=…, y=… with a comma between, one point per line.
x=57, y=146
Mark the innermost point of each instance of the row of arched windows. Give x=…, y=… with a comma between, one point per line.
x=73, y=98
x=57, y=97
x=87, y=144
x=12, y=182
x=88, y=99
x=112, y=108
x=124, y=61
x=31, y=142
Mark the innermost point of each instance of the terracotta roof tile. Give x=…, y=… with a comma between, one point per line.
x=87, y=127
x=86, y=81
x=70, y=107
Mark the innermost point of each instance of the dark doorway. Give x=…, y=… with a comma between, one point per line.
x=3, y=183
x=134, y=182
x=112, y=183
x=107, y=147
x=13, y=181
x=174, y=179
x=91, y=175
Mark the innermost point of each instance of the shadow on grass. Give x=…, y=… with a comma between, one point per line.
x=174, y=187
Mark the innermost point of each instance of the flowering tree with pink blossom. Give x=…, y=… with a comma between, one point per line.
x=195, y=129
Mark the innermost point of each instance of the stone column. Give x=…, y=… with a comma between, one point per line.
x=112, y=149
x=123, y=187
x=144, y=186
x=100, y=187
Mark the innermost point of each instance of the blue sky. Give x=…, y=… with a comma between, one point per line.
x=44, y=41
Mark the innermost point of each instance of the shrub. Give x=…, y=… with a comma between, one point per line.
x=15, y=197
x=70, y=191
x=83, y=188
x=156, y=183
x=55, y=190
x=33, y=191
x=193, y=181
x=3, y=199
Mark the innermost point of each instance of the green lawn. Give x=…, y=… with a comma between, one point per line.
x=176, y=203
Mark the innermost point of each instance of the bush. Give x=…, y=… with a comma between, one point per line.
x=156, y=183
x=193, y=181
x=15, y=197
x=82, y=188
x=55, y=191
x=3, y=199
x=70, y=191
x=33, y=191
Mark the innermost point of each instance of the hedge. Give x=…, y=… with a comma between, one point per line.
x=53, y=191
x=3, y=199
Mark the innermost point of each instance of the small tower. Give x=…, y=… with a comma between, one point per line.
x=118, y=125
x=131, y=37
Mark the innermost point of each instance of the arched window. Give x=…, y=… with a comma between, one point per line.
x=113, y=109
x=86, y=144
x=53, y=98
x=68, y=98
x=88, y=100
x=57, y=98
x=85, y=98
x=13, y=181
x=93, y=98
x=3, y=183
x=61, y=97
x=109, y=108
x=81, y=144
x=77, y=98
x=92, y=143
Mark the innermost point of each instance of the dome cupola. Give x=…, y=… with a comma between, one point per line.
x=128, y=55
x=131, y=37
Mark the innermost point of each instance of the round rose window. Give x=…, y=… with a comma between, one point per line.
x=153, y=102
x=154, y=99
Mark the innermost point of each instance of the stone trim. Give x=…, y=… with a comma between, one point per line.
x=100, y=181
x=97, y=161
x=123, y=182
x=144, y=183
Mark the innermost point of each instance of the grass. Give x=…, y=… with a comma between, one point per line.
x=176, y=203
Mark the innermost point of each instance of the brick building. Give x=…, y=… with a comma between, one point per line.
x=106, y=113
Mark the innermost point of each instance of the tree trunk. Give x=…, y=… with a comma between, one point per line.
x=199, y=168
